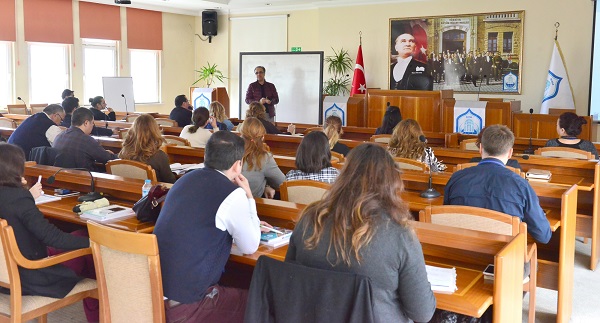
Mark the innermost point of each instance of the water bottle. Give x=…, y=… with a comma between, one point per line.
x=146, y=188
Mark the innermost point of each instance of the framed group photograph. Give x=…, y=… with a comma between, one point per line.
x=466, y=53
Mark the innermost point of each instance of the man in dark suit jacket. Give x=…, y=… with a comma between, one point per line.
x=405, y=65
x=182, y=112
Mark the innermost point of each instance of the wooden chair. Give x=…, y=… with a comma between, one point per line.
x=123, y=133
x=410, y=164
x=303, y=191
x=166, y=122
x=479, y=219
x=8, y=123
x=337, y=157
x=469, y=144
x=467, y=165
x=564, y=152
x=20, y=308
x=128, y=273
x=131, y=169
x=177, y=141
x=385, y=139
x=37, y=107
x=17, y=109
x=131, y=117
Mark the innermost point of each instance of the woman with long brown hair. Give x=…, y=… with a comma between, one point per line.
x=361, y=226
x=196, y=132
x=142, y=143
x=259, y=167
x=333, y=130
x=406, y=143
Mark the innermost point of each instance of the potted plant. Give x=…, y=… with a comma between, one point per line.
x=339, y=65
x=208, y=73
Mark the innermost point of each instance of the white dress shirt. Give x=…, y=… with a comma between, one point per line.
x=400, y=68
x=52, y=132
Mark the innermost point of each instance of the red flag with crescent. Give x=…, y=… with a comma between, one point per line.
x=359, y=84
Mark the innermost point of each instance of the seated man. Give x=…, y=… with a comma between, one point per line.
x=71, y=103
x=492, y=186
x=204, y=212
x=182, y=112
x=76, y=147
x=39, y=129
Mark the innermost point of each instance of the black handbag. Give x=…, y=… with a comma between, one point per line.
x=148, y=207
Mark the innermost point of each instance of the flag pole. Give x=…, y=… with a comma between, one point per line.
x=556, y=25
x=360, y=38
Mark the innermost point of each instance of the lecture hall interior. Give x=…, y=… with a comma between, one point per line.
x=47, y=46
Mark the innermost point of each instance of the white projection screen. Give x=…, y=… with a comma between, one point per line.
x=594, y=101
x=298, y=77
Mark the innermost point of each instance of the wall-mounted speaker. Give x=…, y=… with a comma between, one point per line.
x=209, y=23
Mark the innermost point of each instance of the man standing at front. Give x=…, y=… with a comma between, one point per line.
x=263, y=92
x=491, y=185
x=204, y=212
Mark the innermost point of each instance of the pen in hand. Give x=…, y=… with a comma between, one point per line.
x=40, y=182
x=271, y=229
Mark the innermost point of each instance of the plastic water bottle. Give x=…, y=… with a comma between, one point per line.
x=146, y=188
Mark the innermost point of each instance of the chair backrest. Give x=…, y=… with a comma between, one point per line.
x=166, y=122
x=37, y=107
x=410, y=164
x=177, y=141
x=381, y=138
x=564, y=152
x=128, y=273
x=303, y=191
x=349, y=297
x=123, y=132
x=8, y=123
x=337, y=157
x=131, y=117
x=5, y=270
x=469, y=144
x=472, y=218
x=131, y=169
x=420, y=82
x=17, y=109
x=467, y=165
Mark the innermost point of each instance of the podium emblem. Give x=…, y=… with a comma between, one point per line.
x=510, y=83
x=469, y=123
x=335, y=110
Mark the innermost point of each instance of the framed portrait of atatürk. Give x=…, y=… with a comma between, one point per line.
x=466, y=53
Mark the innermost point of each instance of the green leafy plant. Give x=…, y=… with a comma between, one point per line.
x=208, y=73
x=339, y=65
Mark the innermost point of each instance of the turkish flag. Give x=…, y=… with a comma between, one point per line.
x=359, y=84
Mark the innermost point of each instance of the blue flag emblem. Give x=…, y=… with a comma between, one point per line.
x=552, y=86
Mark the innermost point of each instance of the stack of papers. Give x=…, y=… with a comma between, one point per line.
x=441, y=279
x=181, y=169
x=276, y=238
x=538, y=174
x=108, y=213
x=46, y=198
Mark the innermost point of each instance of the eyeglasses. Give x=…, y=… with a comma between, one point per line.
x=61, y=118
x=259, y=73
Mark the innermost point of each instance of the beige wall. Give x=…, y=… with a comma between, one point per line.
x=321, y=29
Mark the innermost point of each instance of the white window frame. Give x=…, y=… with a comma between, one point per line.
x=158, y=75
x=100, y=44
x=10, y=76
x=67, y=49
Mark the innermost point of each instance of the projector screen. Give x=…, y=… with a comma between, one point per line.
x=298, y=77
x=594, y=108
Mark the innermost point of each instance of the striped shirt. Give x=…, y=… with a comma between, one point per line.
x=326, y=175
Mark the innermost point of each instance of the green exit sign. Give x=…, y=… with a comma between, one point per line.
x=296, y=49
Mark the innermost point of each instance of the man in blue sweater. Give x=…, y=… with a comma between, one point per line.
x=39, y=129
x=204, y=212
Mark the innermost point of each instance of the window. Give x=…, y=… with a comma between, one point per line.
x=507, y=42
x=6, y=75
x=146, y=76
x=492, y=42
x=99, y=60
x=48, y=72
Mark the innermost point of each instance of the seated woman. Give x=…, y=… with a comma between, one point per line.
x=333, y=130
x=98, y=105
x=313, y=160
x=196, y=132
x=258, y=111
x=361, y=226
x=263, y=174
x=391, y=118
x=217, y=110
x=142, y=143
x=568, y=127
x=71, y=103
x=406, y=143
x=35, y=234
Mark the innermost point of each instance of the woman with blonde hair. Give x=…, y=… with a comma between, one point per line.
x=408, y=141
x=258, y=111
x=361, y=226
x=142, y=143
x=333, y=130
x=259, y=167
x=217, y=110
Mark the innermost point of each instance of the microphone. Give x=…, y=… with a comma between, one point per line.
x=479, y=91
x=529, y=150
x=125, y=99
x=91, y=196
x=429, y=193
x=26, y=110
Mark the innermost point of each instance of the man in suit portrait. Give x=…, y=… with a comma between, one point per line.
x=406, y=66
